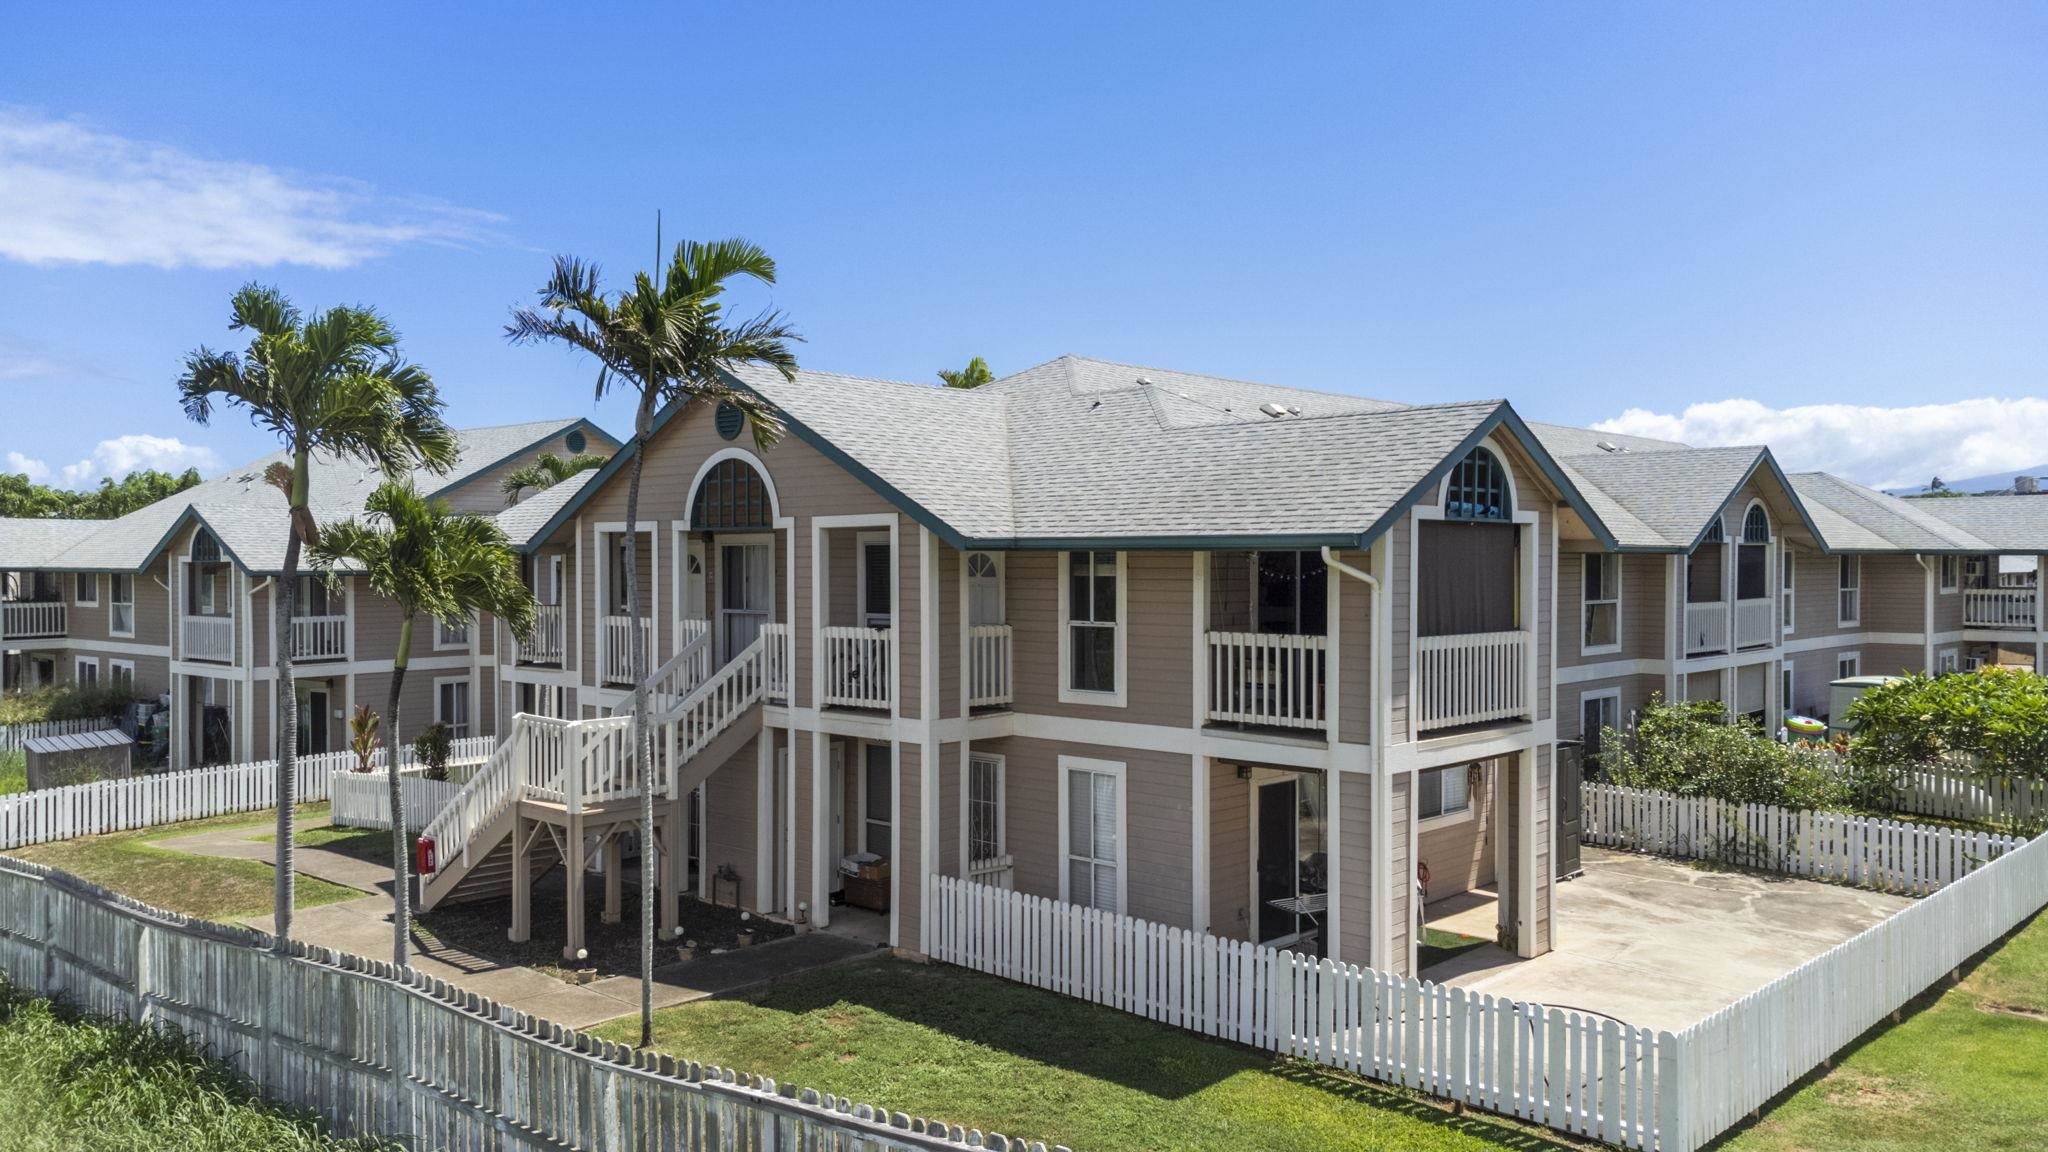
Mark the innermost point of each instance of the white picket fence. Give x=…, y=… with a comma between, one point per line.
x=363, y=799
x=13, y=736
x=1889, y=855
x=383, y=1052
x=1578, y=1073
x=1956, y=793
x=1736, y=1060
x=167, y=797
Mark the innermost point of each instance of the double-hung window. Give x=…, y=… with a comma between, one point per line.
x=86, y=589
x=1951, y=573
x=1598, y=711
x=1092, y=630
x=1848, y=664
x=984, y=809
x=1602, y=624
x=121, y=604
x=1850, y=587
x=1444, y=792
x=451, y=706
x=1091, y=833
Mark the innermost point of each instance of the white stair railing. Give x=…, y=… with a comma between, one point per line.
x=485, y=796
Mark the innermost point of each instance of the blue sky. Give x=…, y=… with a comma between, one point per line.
x=1818, y=224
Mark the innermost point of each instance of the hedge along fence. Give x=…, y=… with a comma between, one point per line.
x=192, y=794
x=1889, y=855
x=13, y=736
x=377, y=1050
x=1736, y=1060
x=1575, y=1072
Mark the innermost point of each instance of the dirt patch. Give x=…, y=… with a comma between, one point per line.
x=478, y=929
x=2020, y=1011
x=1855, y=1088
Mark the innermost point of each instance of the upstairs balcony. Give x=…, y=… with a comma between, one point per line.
x=31, y=619
x=2009, y=608
x=545, y=646
x=319, y=637
x=210, y=638
x=988, y=666
x=858, y=662
x=1267, y=679
x=616, y=636
x=1474, y=678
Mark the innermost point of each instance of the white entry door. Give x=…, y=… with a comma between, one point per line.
x=746, y=595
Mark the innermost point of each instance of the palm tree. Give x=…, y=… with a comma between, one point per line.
x=420, y=555
x=973, y=376
x=335, y=384
x=546, y=471
x=669, y=342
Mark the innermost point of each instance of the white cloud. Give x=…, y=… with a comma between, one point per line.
x=117, y=458
x=72, y=195
x=1881, y=447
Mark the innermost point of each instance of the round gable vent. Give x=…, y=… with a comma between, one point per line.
x=575, y=442
x=730, y=421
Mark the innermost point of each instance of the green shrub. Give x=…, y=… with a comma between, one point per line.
x=65, y=702
x=1692, y=749
x=431, y=748
x=1994, y=720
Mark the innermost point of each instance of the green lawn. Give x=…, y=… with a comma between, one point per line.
x=71, y=1082
x=212, y=887
x=1964, y=1071
x=13, y=772
x=989, y=1054
x=367, y=844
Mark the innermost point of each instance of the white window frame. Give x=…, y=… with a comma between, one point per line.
x=1586, y=606
x=1951, y=577
x=1068, y=693
x=1948, y=660
x=442, y=641
x=1788, y=587
x=862, y=764
x=90, y=580
x=125, y=667
x=113, y=604
x=1002, y=815
x=1613, y=694
x=1855, y=662
x=85, y=670
x=1068, y=766
x=1002, y=580
x=862, y=541
x=1787, y=688
x=468, y=705
x=1457, y=816
x=1849, y=568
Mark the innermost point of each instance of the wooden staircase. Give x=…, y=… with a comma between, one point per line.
x=554, y=768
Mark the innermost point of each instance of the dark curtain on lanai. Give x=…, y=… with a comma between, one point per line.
x=1466, y=578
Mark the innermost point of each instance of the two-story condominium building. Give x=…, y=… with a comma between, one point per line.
x=1224, y=656
x=176, y=600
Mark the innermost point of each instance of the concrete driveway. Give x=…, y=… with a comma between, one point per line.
x=1660, y=943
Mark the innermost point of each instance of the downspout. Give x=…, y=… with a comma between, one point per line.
x=1380, y=925
x=1927, y=563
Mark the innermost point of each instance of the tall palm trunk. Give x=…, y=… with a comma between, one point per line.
x=287, y=602
x=643, y=423
x=401, y=892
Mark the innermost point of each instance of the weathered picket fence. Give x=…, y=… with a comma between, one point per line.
x=1579, y=1073
x=1890, y=855
x=363, y=799
x=13, y=736
x=1742, y=1056
x=376, y=1050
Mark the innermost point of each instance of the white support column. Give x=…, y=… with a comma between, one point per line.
x=1674, y=624
x=928, y=709
x=1198, y=764
x=821, y=831
x=1333, y=828
x=764, y=819
x=1525, y=856
x=1382, y=833
x=1929, y=566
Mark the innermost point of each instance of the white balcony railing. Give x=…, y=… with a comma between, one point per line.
x=26, y=619
x=988, y=665
x=319, y=637
x=857, y=667
x=209, y=638
x=615, y=647
x=1471, y=679
x=1999, y=608
x=1267, y=678
x=1756, y=622
x=545, y=645
x=1706, y=627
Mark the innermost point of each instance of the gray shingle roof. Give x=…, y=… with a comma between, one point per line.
x=250, y=517
x=2009, y=522
x=1852, y=518
x=1667, y=498
x=524, y=522
x=1080, y=451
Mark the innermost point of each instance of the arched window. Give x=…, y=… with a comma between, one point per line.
x=1478, y=489
x=1756, y=526
x=205, y=548
x=1714, y=534
x=731, y=497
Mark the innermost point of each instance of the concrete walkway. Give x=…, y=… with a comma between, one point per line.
x=363, y=927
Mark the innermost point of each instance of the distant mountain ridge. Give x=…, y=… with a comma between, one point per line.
x=1990, y=482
